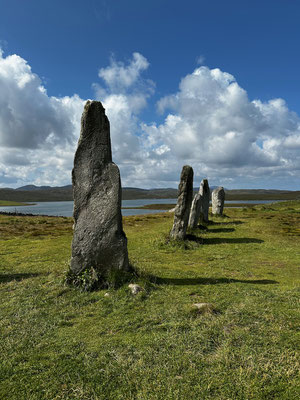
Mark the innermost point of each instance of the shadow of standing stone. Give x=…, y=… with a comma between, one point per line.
x=99, y=247
x=183, y=206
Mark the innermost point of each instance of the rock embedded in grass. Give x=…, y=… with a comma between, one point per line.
x=217, y=200
x=183, y=206
x=99, y=242
x=204, y=308
x=135, y=288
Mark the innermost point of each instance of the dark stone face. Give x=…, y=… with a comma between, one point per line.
x=184, y=201
x=217, y=199
x=99, y=241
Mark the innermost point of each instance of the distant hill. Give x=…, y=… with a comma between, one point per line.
x=31, y=193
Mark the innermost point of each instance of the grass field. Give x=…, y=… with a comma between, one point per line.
x=61, y=343
x=5, y=203
x=170, y=206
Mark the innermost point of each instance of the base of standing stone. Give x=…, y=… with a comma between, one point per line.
x=89, y=279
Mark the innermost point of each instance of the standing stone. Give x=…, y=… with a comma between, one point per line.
x=200, y=205
x=217, y=199
x=205, y=197
x=183, y=206
x=99, y=244
x=195, y=211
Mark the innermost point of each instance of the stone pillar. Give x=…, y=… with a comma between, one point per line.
x=195, y=211
x=217, y=199
x=200, y=205
x=205, y=197
x=99, y=244
x=183, y=206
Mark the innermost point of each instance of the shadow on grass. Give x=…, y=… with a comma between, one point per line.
x=226, y=223
x=193, y=238
x=231, y=240
x=221, y=230
x=207, y=281
x=16, y=277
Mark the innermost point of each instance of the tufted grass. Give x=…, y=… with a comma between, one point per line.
x=60, y=343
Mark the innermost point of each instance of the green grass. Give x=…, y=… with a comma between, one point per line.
x=60, y=343
x=5, y=203
x=171, y=206
x=153, y=207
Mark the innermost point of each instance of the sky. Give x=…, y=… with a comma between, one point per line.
x=214, y=85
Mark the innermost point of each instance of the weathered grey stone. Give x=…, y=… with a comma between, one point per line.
x=183, y=206
x=217, y=200
x=200, y=205
x=99, y=241
x=205, y=197
x=135, y=288
x=195, y=211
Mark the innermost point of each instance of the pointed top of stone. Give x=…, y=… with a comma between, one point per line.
x=204, y=187
x=95, y=130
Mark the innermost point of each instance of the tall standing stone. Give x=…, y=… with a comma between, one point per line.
x=217, y=199
x=99, y=243
x=205, y=197
x=183, y=206
x=200, y=205
x=195, y=211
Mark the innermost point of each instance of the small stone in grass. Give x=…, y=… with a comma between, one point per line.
x=106, y=294
x=135, y=288
x=204, y=308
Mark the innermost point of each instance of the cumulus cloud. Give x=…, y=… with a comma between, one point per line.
x=208, y=122
x=34, y=127
x=29, y=118
x=119, y=77
x=124, y=95
x=212, y=125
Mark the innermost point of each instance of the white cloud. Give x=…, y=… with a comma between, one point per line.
x=119, y=77
x=34, y=128
x=215, y=127
x=209, y=123
x=124, y=97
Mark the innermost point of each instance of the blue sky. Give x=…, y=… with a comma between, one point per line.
x=167, y=103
